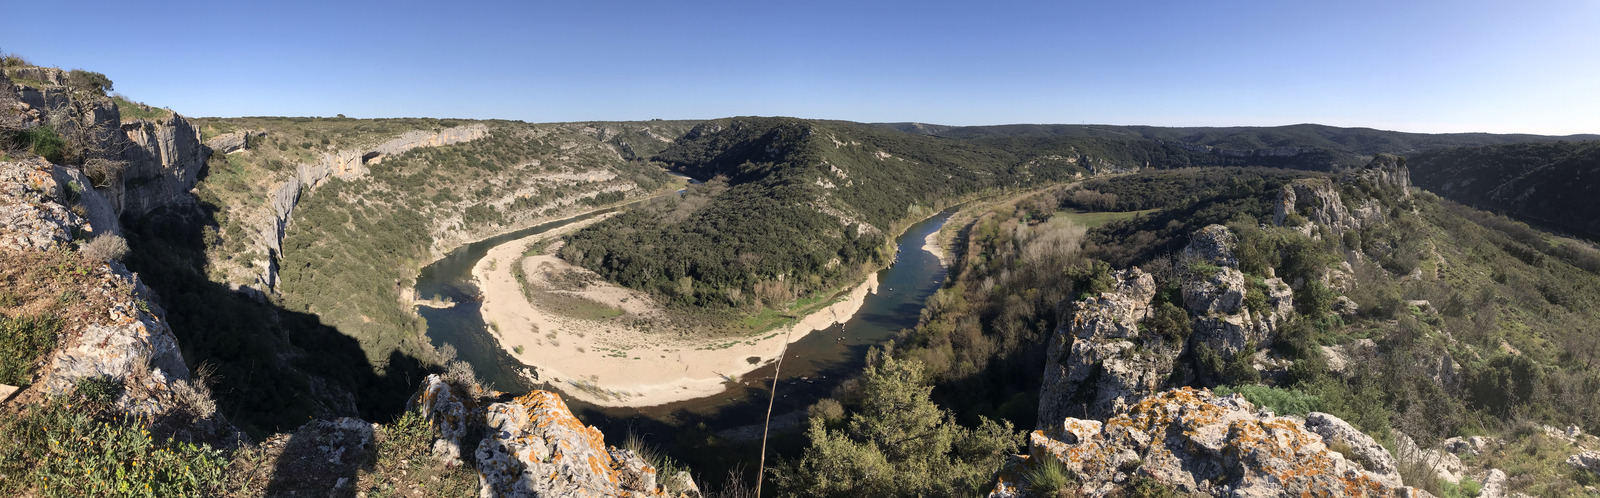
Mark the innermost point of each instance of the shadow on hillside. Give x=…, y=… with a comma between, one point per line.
x=272, y=369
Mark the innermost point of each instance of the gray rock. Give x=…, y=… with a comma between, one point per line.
x=163, y=163
x=1196, y=443
x=449, y=412
x=1494, y=485
x=535, y=447
x=1103, y=341
x=228, y=143
x=1588, y=461
x=1367, y=451
x=1212, y=245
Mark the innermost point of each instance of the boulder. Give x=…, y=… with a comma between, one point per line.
x=535, y=447
x=1196, y=443
x=1340, y=434
x=1588, y=461
x=1494, y=485
x=449, y=411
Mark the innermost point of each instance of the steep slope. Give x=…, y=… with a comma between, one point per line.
x=1552, y=184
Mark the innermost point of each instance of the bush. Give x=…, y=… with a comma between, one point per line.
x=106, y=247
x=1281, y=401
x=43, y=141
x=1049, y=477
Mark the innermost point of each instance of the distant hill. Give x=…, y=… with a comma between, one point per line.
x=1551, y=183
x=1317, y=143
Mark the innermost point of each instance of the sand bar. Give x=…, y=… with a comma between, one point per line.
x=617, y=361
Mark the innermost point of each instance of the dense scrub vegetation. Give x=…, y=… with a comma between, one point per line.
x=1345, y=144
x=1481, y=326
x=792, y=209
x=1550, y=184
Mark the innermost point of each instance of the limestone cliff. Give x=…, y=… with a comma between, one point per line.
x=1197, y=443
x=157, y=161
x=164, y=158
x=347, y=164
x=121, y=332
x=1319, y=202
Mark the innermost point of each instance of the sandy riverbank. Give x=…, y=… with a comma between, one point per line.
x=932, y=245
x=620, y=360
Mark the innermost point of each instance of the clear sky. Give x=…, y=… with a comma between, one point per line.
x=1433, y=66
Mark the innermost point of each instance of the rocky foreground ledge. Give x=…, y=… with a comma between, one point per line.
x=1196, y=442
x=534, y=446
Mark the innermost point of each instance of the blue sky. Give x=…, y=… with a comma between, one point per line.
x=1433, y=66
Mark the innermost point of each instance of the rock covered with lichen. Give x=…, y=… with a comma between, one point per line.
x=534, y=446
x=1193, y=441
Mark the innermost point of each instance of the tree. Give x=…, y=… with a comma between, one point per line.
x=897, y=442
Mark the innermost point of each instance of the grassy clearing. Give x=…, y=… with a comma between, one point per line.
x=1093, y=219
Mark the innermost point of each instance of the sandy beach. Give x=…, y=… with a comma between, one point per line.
x=619, y=359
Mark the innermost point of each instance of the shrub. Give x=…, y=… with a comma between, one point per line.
x=43, y=141
x=1049, y=477
x=106, y=247
x=1281, y=401
x=89, y=81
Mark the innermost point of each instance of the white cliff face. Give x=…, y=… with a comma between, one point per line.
x=1099, y=361
x=346, y=164
x=164, y=160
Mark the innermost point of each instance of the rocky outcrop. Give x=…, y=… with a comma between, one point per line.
x=1195, y=442
x=160, y=159
x=535, y=447
x=1319, y=202
x=128, y=337
x=164, y=158
x=1588, y=461
x=349, y=163
x=450, y=413
x=1099, y=361
x=228, y=143
x=1215, y=292
x=1362, y=448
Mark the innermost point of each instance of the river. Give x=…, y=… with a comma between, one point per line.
x=813, y=367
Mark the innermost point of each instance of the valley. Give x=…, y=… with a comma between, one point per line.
x=958, y=310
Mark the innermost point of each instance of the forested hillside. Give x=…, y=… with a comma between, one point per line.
x=1414, y=318
x=1551, y=184
x=790, y=208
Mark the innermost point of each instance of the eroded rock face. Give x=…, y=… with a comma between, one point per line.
x=1099, y=361
x=164, y=160
x=131, y=339
x=349, y=163
x=1196, y=442
x=1588, y=461
x=535, y=447
x=1215, y=292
